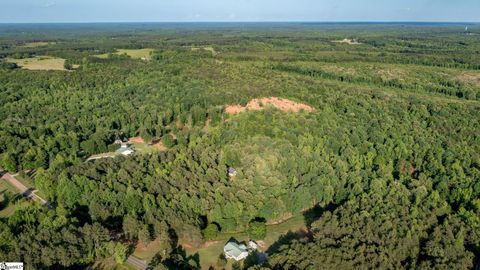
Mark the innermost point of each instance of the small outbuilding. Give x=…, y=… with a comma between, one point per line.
x=252, y=245
x=231, y=171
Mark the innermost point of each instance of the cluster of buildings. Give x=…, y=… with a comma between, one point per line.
x=239, y=251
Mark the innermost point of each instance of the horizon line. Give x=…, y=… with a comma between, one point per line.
x=249, y=21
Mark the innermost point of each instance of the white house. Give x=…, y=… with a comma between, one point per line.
x=235, y=251
x=125, y=150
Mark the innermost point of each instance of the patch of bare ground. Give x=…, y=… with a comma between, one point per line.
x=347, y=41
x=158, y=144
x=262, y=103
x=136, y=140
x=154, y=143
x=472, y=78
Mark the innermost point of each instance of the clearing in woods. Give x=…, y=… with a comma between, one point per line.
x=471, y=78
x=40, y=63
x=144, y=54
x=36, y=44
x=142, y=147
x=209, y=49
x=260, y=104
x=347, y=41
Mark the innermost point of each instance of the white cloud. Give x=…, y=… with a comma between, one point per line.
x=49, y=4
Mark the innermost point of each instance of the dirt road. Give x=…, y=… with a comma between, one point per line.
x=139, y=264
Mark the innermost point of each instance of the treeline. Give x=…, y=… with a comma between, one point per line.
x=444, y=86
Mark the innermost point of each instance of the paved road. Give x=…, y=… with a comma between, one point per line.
x=139, y=264
x=27, y=192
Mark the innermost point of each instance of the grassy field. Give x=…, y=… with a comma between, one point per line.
x=209, y=49
x=40, y=63
x=133, y=53
x=36, y=44
x=144, y=148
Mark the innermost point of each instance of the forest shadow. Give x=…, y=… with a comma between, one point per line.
x=288, y=238
x=179, y=259
x=313, y=214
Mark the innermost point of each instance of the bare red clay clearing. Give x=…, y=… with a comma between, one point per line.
x=260, y=104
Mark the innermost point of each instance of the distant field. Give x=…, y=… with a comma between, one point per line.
x=40, y=63
x=133, y=53
x=37, y=44
x=209, y=49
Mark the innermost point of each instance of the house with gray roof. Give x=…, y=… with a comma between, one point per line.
x=236, y=251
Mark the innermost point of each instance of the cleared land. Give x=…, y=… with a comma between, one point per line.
x=144, y=54
x=209, y=49
x=262, y=103
x=40, y=63
x=36, y=44
x=347, y=41
x=143, y=147
x=471, y=78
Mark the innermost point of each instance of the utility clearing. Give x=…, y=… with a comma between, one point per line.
x=281, y=104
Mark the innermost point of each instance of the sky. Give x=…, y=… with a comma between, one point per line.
x=34, y=11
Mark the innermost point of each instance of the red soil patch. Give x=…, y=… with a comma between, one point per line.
x=155, y=143
x=260, y=104
x=187, y=246
x=158, y=144
x=136, y=140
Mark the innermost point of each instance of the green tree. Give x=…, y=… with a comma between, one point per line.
x=257, y=229
x=120, y=253
x=210, y=232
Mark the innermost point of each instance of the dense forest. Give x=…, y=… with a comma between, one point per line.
x=388, y=161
